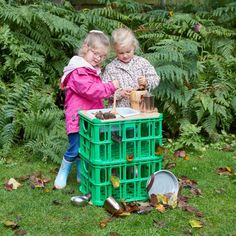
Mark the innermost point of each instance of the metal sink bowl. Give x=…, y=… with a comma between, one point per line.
x=127, y=111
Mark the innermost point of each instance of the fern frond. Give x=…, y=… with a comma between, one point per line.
x=224, y=47
x=227, y=13
x=209, y=125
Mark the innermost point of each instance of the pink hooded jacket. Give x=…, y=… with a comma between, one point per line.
x=84, y=90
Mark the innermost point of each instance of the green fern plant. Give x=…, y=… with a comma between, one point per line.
x=37, y=38
x=189, y=136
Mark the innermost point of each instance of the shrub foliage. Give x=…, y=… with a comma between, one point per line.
x=194, y=54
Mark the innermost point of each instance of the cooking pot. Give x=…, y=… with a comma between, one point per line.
x=142, y=101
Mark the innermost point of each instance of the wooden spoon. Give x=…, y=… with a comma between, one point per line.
x=113, y=110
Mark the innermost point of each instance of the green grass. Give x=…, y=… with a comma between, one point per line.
x=35, y=210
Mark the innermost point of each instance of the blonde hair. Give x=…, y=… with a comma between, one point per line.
x=124, y=37
x=95, y=39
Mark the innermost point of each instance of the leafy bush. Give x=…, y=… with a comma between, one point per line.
x=194, y=54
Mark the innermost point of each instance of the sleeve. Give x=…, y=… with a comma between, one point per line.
x=90, y=86
x=151, y=75
x=108, y=75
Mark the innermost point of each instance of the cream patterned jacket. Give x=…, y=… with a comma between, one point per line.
x=127, y=74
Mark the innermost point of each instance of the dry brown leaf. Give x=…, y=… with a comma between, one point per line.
x=153, y=199
x=159, y=150
x=130, y=157
x=13, y=183
x=186, y=157
x=195, y=191
x=160, y=208
x=180, y=153
x=104, y=222
x=8, y=187
x=170, y=165
x=224, y=171
x=20, y=232
x=113, y=234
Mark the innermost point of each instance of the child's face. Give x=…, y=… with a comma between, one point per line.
x=125, y=54
x=95, y=56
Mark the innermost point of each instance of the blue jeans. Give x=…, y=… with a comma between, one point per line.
x=72, y=151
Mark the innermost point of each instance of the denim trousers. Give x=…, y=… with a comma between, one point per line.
x=72, y=151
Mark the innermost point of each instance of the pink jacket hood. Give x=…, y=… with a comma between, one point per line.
x=84, y=90
x=74, y=63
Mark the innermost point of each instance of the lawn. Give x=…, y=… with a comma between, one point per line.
x=44, y=211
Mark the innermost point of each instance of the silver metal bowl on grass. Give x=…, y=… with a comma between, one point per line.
x=162, y=182
x=81, y=200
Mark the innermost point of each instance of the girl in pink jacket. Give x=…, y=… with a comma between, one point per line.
x=84, y=90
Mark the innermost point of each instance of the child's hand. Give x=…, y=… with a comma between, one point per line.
x=142, y=82
x=116, y=83
x=126, y=92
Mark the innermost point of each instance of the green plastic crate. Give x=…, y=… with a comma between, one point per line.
x=99, y=132
x=115, y=153
x=139, y=137
x=133, y=178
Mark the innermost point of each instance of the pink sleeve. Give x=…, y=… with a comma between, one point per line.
x=90, y=85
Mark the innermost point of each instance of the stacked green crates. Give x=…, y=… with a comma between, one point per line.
x=124, y=148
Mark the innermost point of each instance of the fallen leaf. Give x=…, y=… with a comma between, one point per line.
x=161, y=198
x=186, y=157
x=112, y=234
x=10, y=224
x=176, y=153
x=195, y=191
x=173, y=200
x=196, y=223
x=159, y=150
x=37, y=180
x=153, y=199
x=8, y=187
x=224, y=171
x=115, y=181
x=143, y=204
x=182, y=153
x=192, y=210
x=186, y=182
x=128, y=207
x=46, y=190
x=145, y=210
x=14, y=183
x=160, y=208
x=20, y=232
x=130, y=157
x=170, y=165
x=104, y=222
